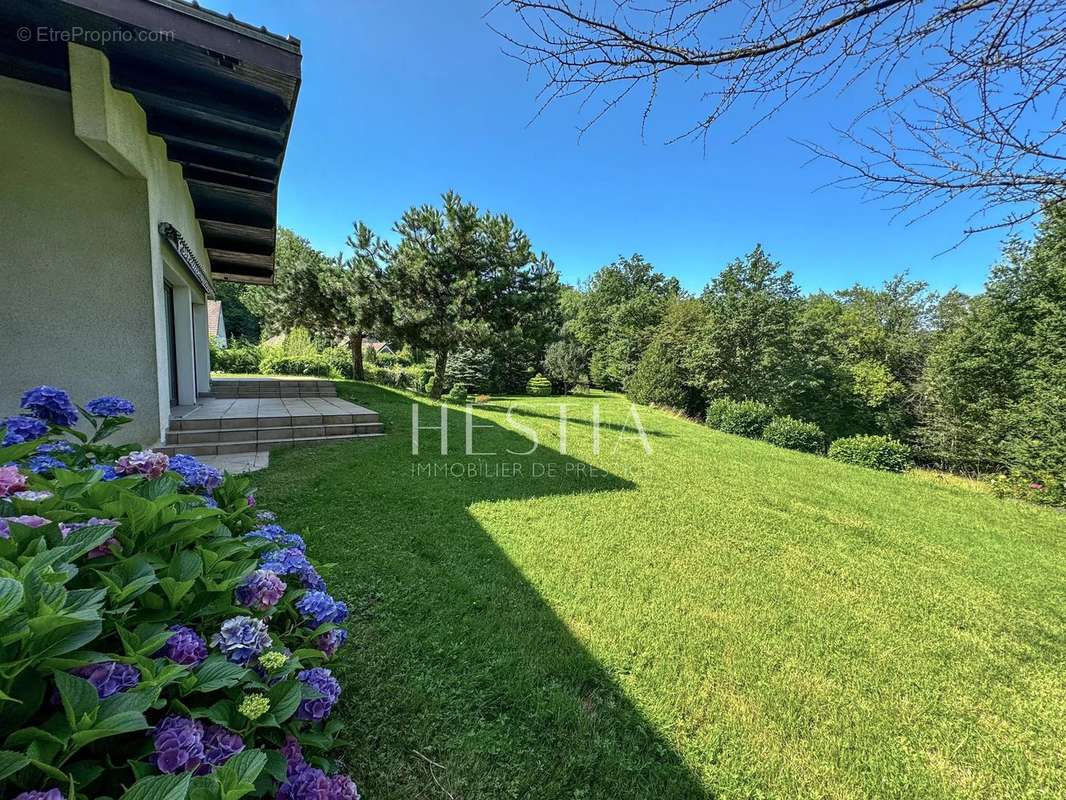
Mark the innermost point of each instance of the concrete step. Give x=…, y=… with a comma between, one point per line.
x=260, y=434
x=224, y=448
x=300, y=421
x=224, y=388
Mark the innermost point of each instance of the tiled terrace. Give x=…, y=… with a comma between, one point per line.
x=241, y=424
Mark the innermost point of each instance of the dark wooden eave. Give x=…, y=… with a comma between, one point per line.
x=221, y=94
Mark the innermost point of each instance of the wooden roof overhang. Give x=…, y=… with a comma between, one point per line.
x=220, y=93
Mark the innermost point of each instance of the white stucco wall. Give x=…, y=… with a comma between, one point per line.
x=77, y=308
x=82, y=263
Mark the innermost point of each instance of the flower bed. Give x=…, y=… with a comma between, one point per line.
x=161, y=636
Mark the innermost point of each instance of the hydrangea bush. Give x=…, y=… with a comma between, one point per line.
x=160, y=636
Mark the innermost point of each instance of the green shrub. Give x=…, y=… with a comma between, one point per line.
x=1047, y=490
x=141, y=604
x=278, y=363
x=795, y=434
x=457, y=394
x=539, y=386
x=431, y=385
x=240, y=359
x=741, y=418
x=875, y=452
x=660, y=381
x=339, y=360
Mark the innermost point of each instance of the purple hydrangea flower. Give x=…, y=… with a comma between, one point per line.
x=23, y=429
x=311, y=783
x=29, y=520
x=279, y=536
x=331, y=641
x=109, y=677
x=294, y=756
x=195, y=474
x=292, y=561
x=250, y=499
x=11, y=480
x=43, y=794
x=220, y=745
x=51, y=405
x=322, y=681
x=242, y=638
x=143, y=462
x=179, y=745
x=260, y=591
x=185, y=647
x=106, y=548
x=320, y=608
x=110, y=406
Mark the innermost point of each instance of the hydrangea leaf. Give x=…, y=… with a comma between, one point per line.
x=11, y=762
x=160, y=787
x=11, y=596
x=78, y=696
x=216, y=673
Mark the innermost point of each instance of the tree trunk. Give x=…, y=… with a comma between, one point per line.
x=355, y=342
x=439, y=367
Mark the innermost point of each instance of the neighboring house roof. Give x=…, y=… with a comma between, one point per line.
x=379, y=347
x=214, y=317
x=221, y=94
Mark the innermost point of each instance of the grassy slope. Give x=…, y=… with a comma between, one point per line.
x=717, y=619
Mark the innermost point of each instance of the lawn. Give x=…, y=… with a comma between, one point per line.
x=718, y=618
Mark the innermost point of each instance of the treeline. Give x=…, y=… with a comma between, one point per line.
x=970, y=384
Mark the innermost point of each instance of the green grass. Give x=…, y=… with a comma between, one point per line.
x=719, y=618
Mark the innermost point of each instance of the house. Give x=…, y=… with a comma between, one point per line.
x=378, y=347
x=216, y=323
x=140, y=152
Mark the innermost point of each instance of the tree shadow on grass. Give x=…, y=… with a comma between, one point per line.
x=460, y=680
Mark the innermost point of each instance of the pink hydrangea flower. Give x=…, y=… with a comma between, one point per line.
x=148, y=463
x=11, y=480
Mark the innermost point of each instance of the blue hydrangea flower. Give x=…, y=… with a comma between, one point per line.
x=109, y=472
x=22, y=428
x=279, y=536
x=50, y=404
x=195, y=474
x=55, y=447
x=292, y=561
x=110, y=406
x=242, y=638
x=209, y=501
x=42, y=463
x=319, y=608
x=322, y=681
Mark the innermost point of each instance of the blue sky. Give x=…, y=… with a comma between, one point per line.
x=403, y=100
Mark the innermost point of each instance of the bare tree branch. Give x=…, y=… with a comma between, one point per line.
x=968, y=95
